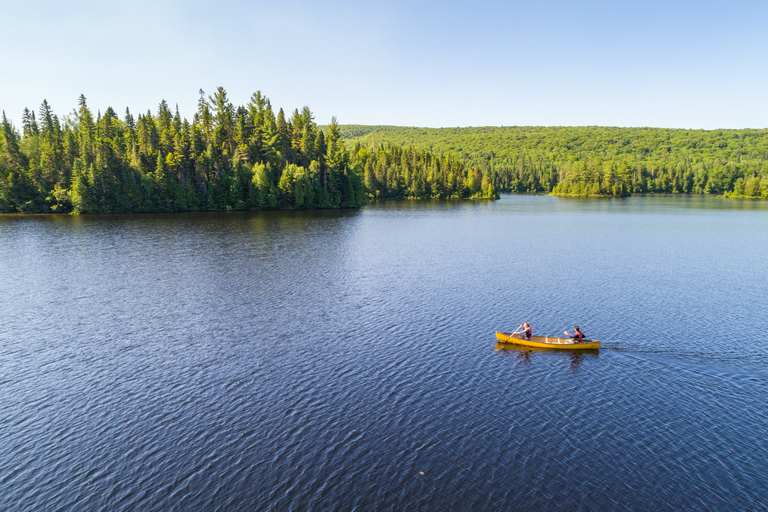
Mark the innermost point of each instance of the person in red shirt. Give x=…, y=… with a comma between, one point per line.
x=577, y=335
x=527, y=332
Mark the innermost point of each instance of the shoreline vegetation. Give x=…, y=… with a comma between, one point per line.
x=249, y=158
x=595, y=161
x=227, y=158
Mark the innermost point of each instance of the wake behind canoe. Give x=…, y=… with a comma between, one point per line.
x=547, y=342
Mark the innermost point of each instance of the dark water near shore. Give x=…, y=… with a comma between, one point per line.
x=346, y=360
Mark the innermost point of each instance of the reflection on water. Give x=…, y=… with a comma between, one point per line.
x=692, y=204
x=523, y=354
x=342, y=359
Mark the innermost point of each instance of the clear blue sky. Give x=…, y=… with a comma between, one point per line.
x=675, y=63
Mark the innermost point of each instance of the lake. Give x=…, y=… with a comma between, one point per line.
x=346, y=360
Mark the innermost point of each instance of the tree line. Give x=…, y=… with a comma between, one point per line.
x=226, y=158
x=595, y=161
x=391, y=171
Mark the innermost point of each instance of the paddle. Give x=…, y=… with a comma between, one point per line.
x=512, y=334
x=573, y=340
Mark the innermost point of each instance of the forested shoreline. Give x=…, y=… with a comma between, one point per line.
x=227, y=158
x=251, y=158
x=595, y=161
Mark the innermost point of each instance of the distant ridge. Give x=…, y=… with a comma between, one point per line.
x=643, y=160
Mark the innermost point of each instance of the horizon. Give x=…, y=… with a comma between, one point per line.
x=16, y=124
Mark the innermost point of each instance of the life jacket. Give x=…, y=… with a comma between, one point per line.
x=528, y=332
x=580, y=335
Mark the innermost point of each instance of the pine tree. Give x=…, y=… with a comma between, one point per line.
x=29, y=123
x=224, y=118
x=86, y=133
x=283, y=137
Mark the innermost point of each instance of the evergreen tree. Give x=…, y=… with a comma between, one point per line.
x=29, y=123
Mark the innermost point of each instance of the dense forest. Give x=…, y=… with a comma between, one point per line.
x=391, y=171
x=248, y=157
x=594, y=160
x=227, y=158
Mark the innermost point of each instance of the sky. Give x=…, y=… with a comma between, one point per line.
x=673, y=64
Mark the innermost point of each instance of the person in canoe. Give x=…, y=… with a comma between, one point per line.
x=527, y=332
x=577, y=335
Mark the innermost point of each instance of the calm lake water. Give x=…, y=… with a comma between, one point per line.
x=346, y=360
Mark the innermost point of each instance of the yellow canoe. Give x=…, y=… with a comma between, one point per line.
x=547, y=342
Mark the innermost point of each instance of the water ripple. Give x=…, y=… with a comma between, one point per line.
x=346, y=360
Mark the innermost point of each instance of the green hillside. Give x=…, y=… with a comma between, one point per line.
x=594, y=160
